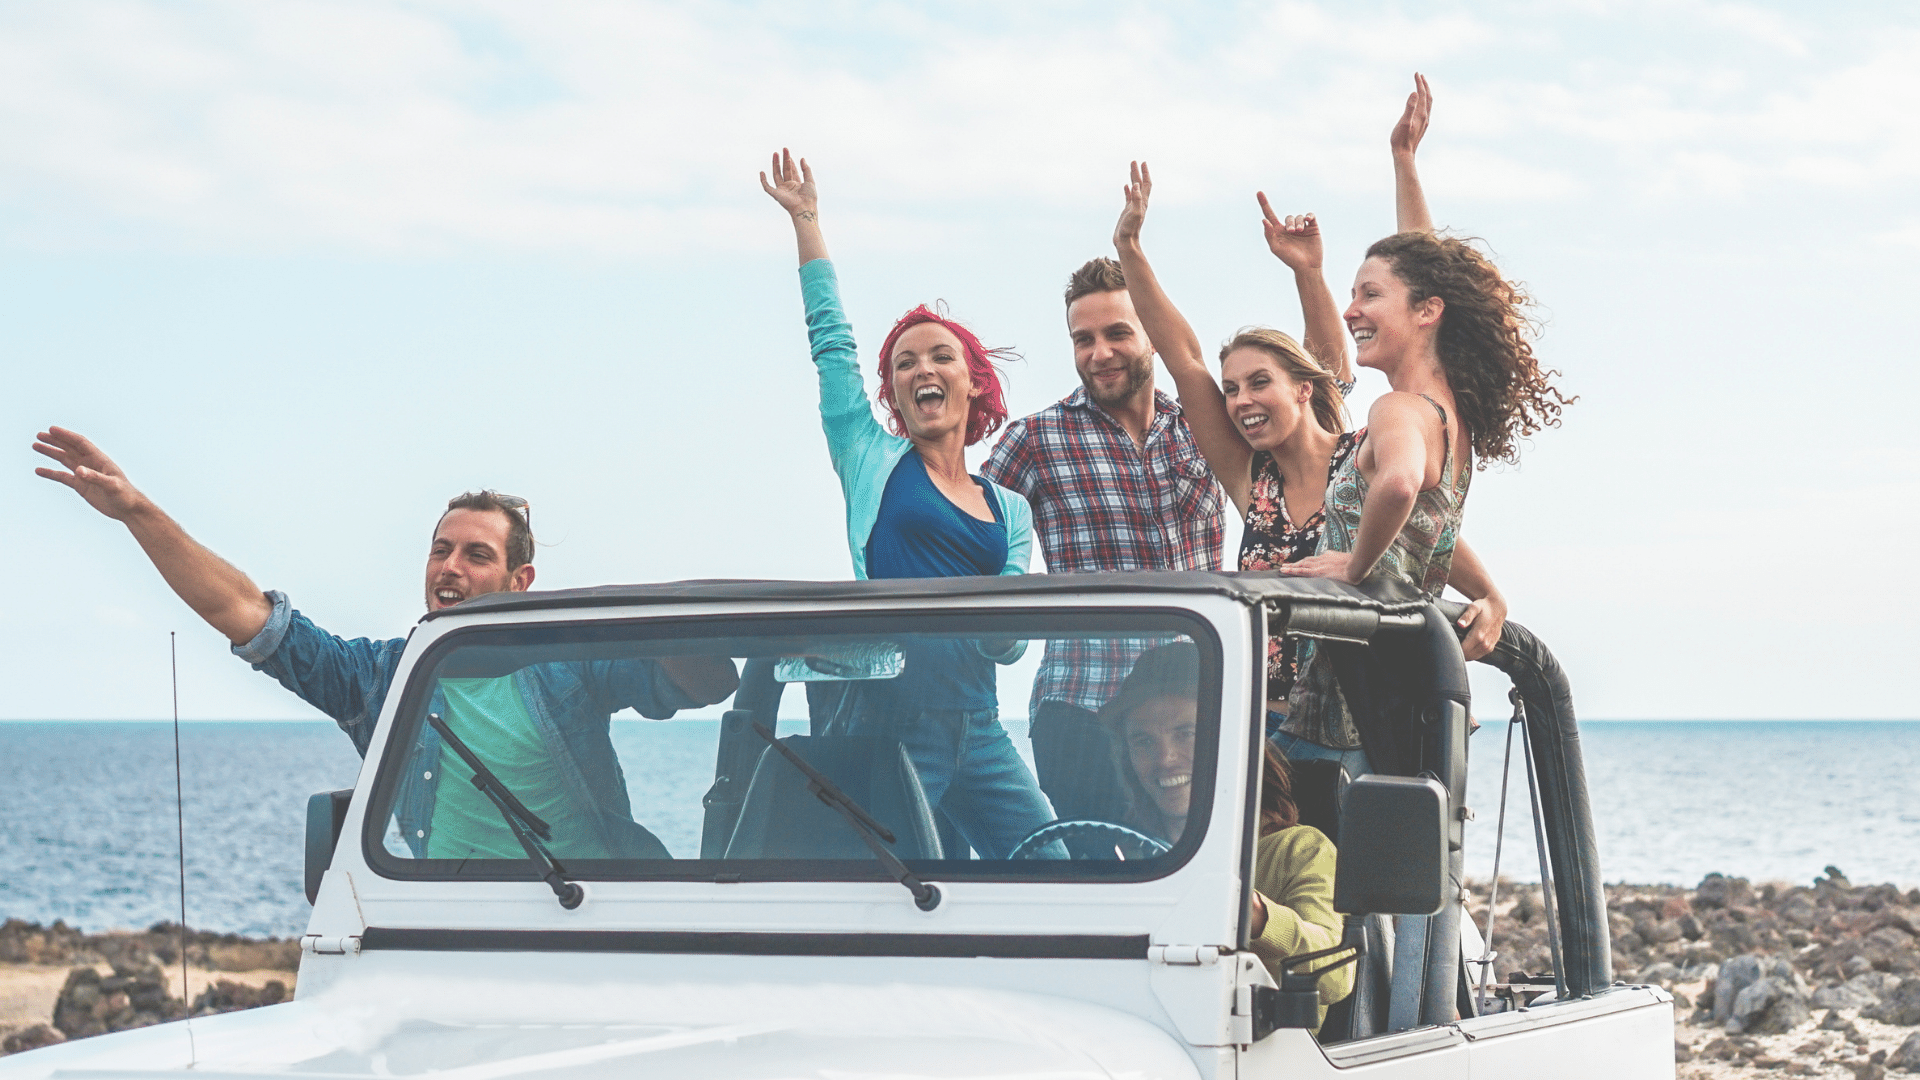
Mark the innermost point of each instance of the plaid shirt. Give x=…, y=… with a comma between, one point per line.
x=1102, y=504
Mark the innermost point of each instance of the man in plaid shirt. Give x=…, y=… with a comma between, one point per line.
x=1116, y=483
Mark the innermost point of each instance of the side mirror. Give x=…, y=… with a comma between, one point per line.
x=326, y=813
x=1393, y=847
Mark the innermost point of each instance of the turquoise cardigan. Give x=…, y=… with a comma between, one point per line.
x=863, y=452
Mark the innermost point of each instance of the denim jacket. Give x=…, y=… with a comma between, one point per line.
x=571, y=703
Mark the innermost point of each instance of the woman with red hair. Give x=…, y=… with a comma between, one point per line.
x=914, y=511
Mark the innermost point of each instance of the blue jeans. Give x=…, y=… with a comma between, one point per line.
x=970, y=772
x=1299, y=749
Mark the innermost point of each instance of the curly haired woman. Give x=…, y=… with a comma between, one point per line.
x=1452, y=336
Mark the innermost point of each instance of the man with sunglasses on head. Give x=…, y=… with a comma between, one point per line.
x=482, y=544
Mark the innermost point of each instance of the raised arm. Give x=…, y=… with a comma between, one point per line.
x=793, y=189
x=1296, y=242
x=1227, y=454
x=214, y=588
x=1486, y=616
x=1409, y=201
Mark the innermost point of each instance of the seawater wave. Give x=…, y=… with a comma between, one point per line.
x=87, y=809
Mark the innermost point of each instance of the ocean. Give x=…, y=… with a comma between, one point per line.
x=87, y=823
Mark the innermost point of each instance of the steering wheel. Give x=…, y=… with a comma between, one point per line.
x=1125, y=843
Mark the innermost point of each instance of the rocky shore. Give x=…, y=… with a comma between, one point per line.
x=1776, y=980
x=57, y=983
x=1782, y=980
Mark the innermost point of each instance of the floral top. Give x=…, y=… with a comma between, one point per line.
x=1271, y=540
x=1421, y=554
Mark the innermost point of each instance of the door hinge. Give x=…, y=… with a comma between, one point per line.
x=319, y=945
x=1184, y=955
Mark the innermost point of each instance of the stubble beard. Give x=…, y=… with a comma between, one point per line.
x=1139, y=373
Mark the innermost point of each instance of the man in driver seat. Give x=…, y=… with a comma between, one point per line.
x=542, y=729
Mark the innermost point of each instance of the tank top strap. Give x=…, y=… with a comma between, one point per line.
x=1446, y=441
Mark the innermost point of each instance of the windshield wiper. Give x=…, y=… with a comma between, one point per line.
x=527, y=827
x=925, y=897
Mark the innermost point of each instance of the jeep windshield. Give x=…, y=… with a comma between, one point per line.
x=924, y=721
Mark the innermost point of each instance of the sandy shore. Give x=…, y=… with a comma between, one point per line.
x=135, y=978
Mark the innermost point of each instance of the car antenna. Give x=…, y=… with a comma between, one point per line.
x=180, y=826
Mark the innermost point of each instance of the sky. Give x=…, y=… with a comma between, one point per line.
x=306, y=270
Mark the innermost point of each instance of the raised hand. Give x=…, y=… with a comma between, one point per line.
x=90, y=472
x=1139, y=188
x=1295, y=240
x=792, y=186
x=1413, y=121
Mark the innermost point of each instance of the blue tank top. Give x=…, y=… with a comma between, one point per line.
x=921, y=533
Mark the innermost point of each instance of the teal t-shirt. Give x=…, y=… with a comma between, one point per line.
x=488, y=715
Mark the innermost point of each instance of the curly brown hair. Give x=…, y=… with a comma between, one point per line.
x=1485, y=340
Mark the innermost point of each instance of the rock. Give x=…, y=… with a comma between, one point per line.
x=1858, y=965
x=32, y=1038
x=135, y=995
x=1901, y=1007
x=1769, y=1006
x=1720, y=891
x=1681, y=1051
x=1908, y=1056
x=1741, y=972
x=1842, y=996
x=1681, y=1000
x=1871, y=1070
x=1660, y=974
x=228, y=996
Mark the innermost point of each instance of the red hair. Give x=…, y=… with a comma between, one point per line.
x=985, y=412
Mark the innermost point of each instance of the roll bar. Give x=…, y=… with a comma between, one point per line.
x=1574, y=854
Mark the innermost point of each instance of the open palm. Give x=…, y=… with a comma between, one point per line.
x=792, y=186
x=1138, y=190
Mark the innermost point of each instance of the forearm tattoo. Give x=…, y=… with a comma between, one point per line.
x=805, y=215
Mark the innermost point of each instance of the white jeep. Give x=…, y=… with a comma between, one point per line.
x=765, y=896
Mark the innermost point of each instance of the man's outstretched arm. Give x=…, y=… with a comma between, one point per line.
x=214, y=588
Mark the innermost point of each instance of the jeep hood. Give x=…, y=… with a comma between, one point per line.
x=395, y=1027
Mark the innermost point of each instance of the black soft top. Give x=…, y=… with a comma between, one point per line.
x=1251, y=587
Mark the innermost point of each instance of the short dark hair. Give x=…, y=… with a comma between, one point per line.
x=519, y=527
x=1095, y=276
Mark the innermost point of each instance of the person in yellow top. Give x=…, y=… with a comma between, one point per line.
x=1152, y=721
x=1293, y=885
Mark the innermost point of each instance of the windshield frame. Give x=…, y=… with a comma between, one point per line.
x=1026, y=622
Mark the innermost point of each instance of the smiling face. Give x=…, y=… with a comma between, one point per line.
x=469, y=558
x=931, y=385
x=1267, y=404
x=1159, y=738
x=1110, y=349
x=1386, y=328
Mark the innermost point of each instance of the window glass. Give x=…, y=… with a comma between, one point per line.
x=643, y=750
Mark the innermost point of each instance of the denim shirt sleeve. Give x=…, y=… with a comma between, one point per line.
x=347, y=680
x=639, y=685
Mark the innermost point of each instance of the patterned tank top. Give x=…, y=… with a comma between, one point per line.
x=1271, y=540
x=1422, y=555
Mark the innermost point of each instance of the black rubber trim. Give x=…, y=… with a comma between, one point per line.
x=1001, y=946
x=1258, y=586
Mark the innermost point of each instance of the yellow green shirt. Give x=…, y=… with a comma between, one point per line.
x=1293, y=870
x=490, y=718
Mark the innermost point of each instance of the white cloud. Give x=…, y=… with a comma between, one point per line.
x=635, y=126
